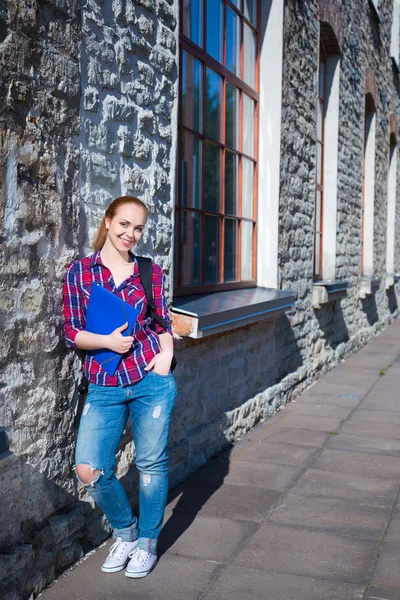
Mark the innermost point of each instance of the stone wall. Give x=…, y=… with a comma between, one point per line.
x=88, y=111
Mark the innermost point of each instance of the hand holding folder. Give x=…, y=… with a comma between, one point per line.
x=106, y=312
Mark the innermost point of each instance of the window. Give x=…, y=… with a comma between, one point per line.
x=216, y=203
x=319, y=194
x=391, y=213
x=368, y=190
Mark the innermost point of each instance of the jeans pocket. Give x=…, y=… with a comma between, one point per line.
x=159, y=374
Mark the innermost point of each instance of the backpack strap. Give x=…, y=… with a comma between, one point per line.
x=146, y=276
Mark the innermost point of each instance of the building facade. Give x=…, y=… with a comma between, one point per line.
x=262, y=135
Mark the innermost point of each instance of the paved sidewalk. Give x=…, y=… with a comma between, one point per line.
x=304, y=508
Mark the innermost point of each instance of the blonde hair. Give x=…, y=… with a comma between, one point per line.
x=110, y=213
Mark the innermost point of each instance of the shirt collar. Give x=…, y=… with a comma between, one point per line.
x=96, y=260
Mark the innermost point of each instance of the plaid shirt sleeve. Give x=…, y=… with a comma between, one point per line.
x=74, y=318
x=160, y=300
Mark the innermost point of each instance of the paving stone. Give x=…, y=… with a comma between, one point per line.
x=336, y=515
x=229, y=501
x=358, y=463
x=239, y=583
x=383, y=594
x=278, y=549
x=383, y=401
x=320, y=409
x=370, y=490
x=359, y=443
x=393, y=532
x=309, y=422
x=270, y=452
x=299, y=437
x=248, y=474
x=178, y=577
x=375, y=416
x=387, y=572
x=209, y=538
x=326, y=387
x=340, y=399
x=375, y=430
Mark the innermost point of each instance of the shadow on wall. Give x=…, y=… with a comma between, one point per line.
x=370, y=309
x=392, y=299
x=36, y=543
x=332, y=324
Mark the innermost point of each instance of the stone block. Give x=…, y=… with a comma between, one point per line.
x=117, y=110
x=103, y=171
x=64, y=525
x=100, y=137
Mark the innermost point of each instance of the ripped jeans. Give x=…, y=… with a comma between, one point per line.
x=149, y=403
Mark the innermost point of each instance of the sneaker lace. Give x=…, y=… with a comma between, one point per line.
x=140, y=555
x=118, y=546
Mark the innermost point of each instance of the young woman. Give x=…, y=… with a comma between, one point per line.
x=142, y=388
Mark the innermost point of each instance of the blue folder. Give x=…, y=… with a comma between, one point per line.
x=106, y=312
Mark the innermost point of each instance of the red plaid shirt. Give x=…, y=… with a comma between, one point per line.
x=77, y=285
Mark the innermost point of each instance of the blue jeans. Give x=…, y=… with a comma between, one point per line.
x=149, y=403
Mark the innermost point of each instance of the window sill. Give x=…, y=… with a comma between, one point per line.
x=201, y=315
x=391, y=279
x=328, y=290
x=369, y=285
x=375, y=11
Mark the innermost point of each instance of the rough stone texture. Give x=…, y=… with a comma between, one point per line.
x=88, y=111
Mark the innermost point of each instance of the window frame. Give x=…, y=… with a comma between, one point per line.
x=207, y=61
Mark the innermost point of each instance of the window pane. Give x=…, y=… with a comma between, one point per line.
x=249, y=56
x=237, y=3
x=232, y=116
x=191, y=248
x=191, y=92
x=213, y=104
x=214, y=44
x=247, y=188
x=318, y=199
x=250, y=10
x=231, y=183
x=192, y=19
x=248, y=125
x=230, y=250
x=232, y=41
x=319, y=163
x=247, y=250
x=191, y=170
x=212, y=244
x=213, y=178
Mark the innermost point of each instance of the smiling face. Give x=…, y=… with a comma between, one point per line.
x=125, y=229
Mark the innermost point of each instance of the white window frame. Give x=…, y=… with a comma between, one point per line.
x=269, y=157
x=369, y=194
x=395, y=34
x=391, y=209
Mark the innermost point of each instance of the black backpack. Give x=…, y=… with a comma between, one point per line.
x=146, y=277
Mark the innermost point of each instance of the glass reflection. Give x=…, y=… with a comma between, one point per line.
x=247, y=250
x=192, y=94
x=213, y=104
x=191, y=171
x=230, y=250
x=214, y=37
x=192, y=20
x=248, y=125
x=249, y=43
x=212, y=244
x=212, y=182
x=232, y=116
x=231, y=183
x=232, y=41
x=247, y=188
x=191, y=247
x=250, y=11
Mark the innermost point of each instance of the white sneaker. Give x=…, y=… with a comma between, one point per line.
x=118, y=556
x=141, y=563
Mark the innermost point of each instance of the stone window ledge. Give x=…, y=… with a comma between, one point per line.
x=391, y=279
x=328, y=290
x=375, y=11
x=369, y=285
x=201, y=315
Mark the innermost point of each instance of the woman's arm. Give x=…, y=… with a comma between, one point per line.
x=74, y=322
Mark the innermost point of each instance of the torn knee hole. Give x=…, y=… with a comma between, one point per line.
x=87, y=474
